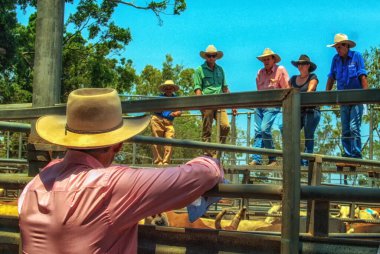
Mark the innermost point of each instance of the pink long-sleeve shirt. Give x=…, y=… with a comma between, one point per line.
x=75, y=205
x=277, y=78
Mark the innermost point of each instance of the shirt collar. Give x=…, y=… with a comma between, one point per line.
x=271, y=70
x=78, y=157
x=350, y=54
x=206, y=66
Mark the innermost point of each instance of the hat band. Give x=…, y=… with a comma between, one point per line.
x=67, y=128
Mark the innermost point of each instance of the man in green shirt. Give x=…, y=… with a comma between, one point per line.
x=208, y=79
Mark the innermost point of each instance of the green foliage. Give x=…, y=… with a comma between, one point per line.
x=372, y=63
x=150, y=79
x=7, y=30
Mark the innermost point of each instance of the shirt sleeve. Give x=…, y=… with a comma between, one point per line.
x=360, y=65
x=258, y=80
x=139, y=193
x=284, y=78
x=224, y=80
x=332, y=73
x=197, y=79
x=313, y=76
x=166, y=113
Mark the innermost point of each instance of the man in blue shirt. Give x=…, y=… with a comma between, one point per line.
x=162, y=125
x=348, y=70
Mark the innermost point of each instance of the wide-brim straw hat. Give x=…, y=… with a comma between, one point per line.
x=342, y=38
x=211, y=49
x=305, y=59
x=93, y=120
x=168, y=83
x=269, y=52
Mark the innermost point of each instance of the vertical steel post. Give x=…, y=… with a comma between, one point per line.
x=19, y=145
x=370, y=108
x=8, y=143
x=249, y=117
x=134, y=148
x=218, y=114
x=233, y=138
x=291, y=174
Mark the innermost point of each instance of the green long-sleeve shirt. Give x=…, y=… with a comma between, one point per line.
x=209, y=81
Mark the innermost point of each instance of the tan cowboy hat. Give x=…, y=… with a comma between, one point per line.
x=305, y=59
x=269, y=52
x=168, y=83
x=93, y=120
x=342, y=38
x=211, y=50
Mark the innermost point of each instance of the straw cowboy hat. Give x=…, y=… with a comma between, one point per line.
x=168, y=83
x=305, y=59
x=211, y=50
x=269, y=52
x=93, y=120
x=342, y=38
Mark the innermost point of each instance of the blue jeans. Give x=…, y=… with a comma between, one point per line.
x=309, y=121
x=264, y=119
x=351, y=118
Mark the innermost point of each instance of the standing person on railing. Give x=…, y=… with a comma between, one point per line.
x=272, y=76
x=348, y=70
x=307, y=82
x=82, y=203
x=208, y=79
x=162, y=125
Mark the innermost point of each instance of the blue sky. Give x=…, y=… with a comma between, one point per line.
x=242, y=29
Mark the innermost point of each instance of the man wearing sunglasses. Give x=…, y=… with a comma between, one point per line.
x=348, y=70
x=208, y=79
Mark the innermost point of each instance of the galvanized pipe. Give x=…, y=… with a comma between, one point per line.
x=269, y=98
x=329, y=193
x=241, y=149
x=13, y=126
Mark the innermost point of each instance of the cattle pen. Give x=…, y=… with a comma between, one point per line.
x=317, y=238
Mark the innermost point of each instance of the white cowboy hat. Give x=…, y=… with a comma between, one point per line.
x=93, y=120
x=269, y=52
x=211, y=50
x=305, y=59
x=168, y=83
x=342, y=38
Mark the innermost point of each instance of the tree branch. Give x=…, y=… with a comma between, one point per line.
x=146, y=8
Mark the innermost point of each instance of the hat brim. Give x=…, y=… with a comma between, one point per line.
x=312, y=67
x=352, y=44
x=162, y=87
x=219, y=54
x=52, y=129
x=277, y=58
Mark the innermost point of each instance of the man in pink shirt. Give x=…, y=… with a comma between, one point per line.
x=272, y=76
x=82, y=203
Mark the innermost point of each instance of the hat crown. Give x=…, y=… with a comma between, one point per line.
x=268, y=51
x=304, y=58
x=340, y=37
x=168, y=82
x=93, y=110
x=211, y=49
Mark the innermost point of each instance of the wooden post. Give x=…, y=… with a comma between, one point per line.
x=47, y=63
x=319, y=210
x=291, y=174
